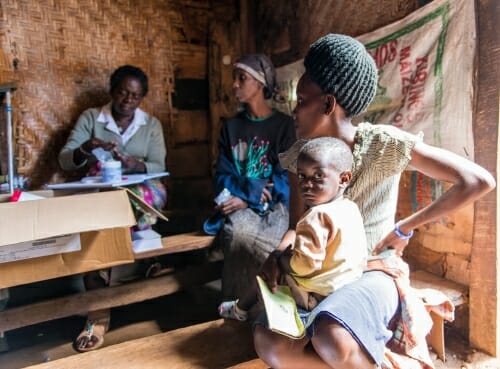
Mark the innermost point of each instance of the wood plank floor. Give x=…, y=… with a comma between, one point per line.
x=212, y=345
x=252, y=364
x=51, y=341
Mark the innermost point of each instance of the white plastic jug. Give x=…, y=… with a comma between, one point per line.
x=111, y=171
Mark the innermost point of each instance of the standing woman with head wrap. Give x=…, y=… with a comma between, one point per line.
x=253, y=220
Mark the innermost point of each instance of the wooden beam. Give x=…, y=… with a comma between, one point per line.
x=247, y=17
x=484, y=276
x=103, y=298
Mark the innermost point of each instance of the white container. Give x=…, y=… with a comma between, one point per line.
x=111, y=171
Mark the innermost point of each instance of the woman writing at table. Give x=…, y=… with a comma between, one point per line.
x=133, y=137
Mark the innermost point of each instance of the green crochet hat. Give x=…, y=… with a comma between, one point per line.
x=341, y=66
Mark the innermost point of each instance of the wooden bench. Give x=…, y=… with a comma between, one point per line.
x=216, y=344
x=123, y=294
x=179, y=243
x=457, y=294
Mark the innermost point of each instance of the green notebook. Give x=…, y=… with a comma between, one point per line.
x=281, y=311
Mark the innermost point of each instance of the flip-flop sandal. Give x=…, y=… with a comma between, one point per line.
x=93, y=334
x=157, y=270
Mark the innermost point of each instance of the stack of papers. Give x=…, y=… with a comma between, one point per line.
x=146, y=240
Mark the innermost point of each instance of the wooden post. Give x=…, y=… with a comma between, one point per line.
x=484, y=298
x=224, y=47
x=247, y=20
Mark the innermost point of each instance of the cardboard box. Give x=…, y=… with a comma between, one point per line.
x=102, y=219
x=38, y=248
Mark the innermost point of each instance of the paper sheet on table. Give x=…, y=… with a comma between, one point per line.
x=96, y=182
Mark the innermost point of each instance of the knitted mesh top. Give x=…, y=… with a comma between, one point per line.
x=381, y=153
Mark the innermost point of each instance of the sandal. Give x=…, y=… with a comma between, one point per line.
x=230, y=310
x=157, y=270
x=92, y=337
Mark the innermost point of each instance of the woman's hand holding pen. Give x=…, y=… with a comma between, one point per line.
x=129, y=163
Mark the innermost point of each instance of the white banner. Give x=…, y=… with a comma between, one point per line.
x=425, y=66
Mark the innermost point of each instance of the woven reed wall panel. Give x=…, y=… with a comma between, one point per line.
x=62, y=52
x=285, y=29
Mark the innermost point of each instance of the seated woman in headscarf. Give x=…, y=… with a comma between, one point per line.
x=254, y=218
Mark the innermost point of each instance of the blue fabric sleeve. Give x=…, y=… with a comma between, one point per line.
x=281, y=189
x=247, y=189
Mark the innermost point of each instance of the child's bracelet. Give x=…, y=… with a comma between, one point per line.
x=403, y=236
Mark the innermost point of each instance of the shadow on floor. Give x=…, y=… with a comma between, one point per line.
x=52, y=340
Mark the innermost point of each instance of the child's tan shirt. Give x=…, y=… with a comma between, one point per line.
x=330, y=247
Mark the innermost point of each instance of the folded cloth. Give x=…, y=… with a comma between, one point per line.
x=408, y=346
x=154, y=193
x=437, y=302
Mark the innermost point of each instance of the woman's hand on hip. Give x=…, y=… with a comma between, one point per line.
x=391, y=241
x=231, y=205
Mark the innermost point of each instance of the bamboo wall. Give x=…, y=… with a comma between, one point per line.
x=61, y=54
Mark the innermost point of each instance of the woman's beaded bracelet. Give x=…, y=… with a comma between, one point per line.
x=403, y=236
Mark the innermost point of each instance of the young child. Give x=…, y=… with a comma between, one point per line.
x=330, y=248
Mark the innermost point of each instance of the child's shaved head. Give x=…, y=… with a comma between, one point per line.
x=335, y=151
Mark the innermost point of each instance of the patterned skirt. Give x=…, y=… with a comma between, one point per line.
x=247, y=239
